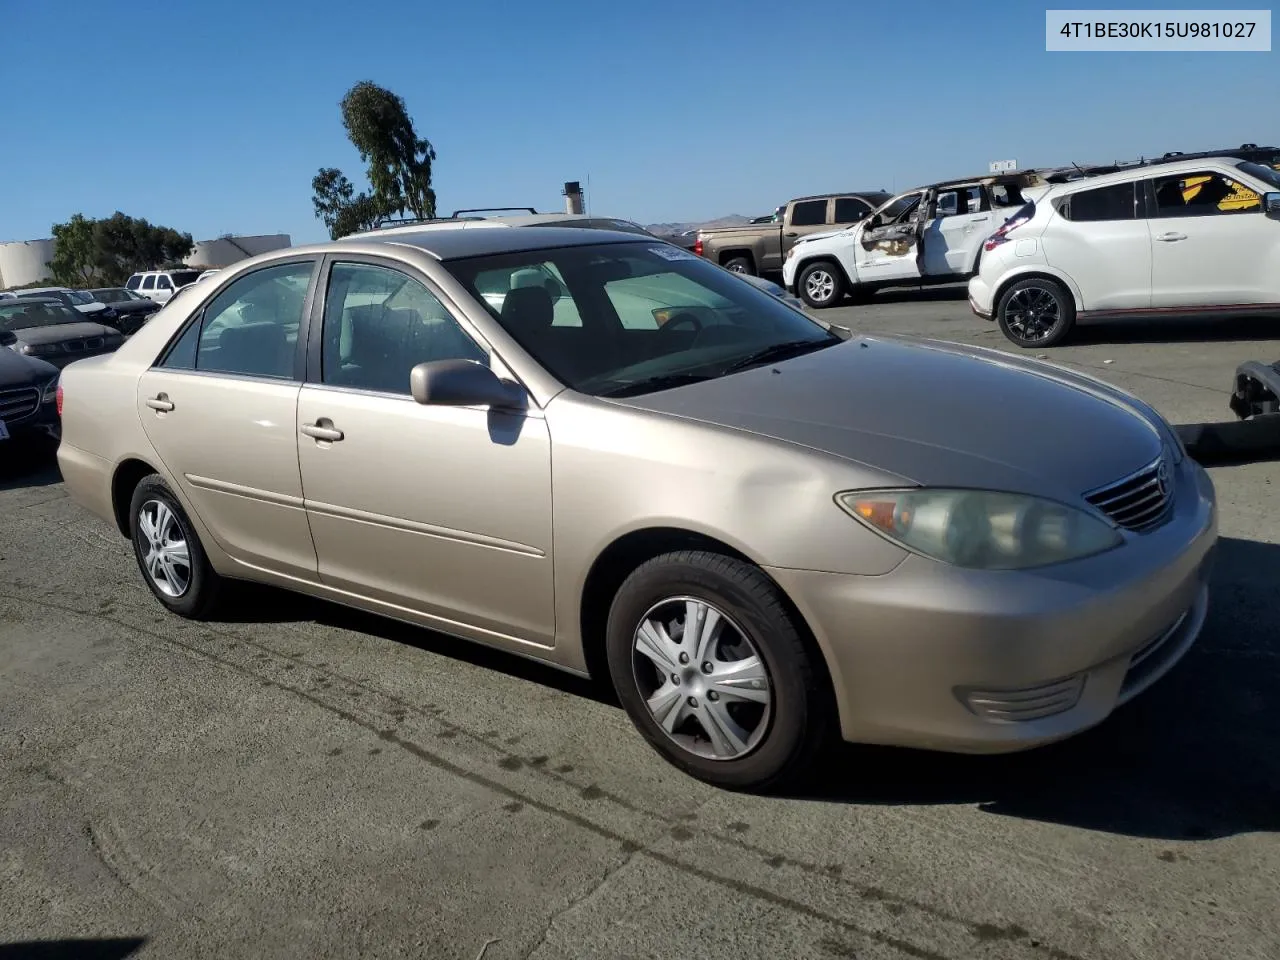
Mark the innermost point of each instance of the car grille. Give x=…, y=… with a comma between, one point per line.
x=16, y=404
x=83, y=345
x=1139, y=502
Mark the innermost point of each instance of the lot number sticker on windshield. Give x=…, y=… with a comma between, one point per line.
x=673, y=253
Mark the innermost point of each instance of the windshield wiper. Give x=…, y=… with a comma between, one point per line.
x=779, y=351
x=652, y=384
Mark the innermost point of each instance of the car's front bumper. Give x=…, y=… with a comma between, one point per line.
x=973, y=661
x=42, y=421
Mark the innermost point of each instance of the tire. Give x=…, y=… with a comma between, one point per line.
x=821, y=285
x=740, y=265
x=1037, y=312
x=197, y=596
x=776, y=729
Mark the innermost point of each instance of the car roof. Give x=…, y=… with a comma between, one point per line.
x=37, y=291
x=459, y=244
x=1144, y=172
x=840, y=193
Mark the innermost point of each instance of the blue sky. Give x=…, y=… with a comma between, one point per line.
x=214, y=118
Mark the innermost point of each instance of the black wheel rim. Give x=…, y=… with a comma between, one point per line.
x=1032, y=314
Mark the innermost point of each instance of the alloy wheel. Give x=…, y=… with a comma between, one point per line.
x=166, y=557
x=819, y=286
x=702, y=679
x=1032, y=313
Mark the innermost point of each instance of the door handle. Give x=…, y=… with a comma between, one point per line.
x=1170, y=237
x=160, y=403
x=322, y=430
x=793, y=233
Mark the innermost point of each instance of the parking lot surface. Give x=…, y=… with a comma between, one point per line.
x=304, y=781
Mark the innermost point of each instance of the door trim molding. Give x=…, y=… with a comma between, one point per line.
x=425, y=529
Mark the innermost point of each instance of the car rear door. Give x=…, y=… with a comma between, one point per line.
x=962, y=220
x=1100, y=238
x=1211, y=242
x=441, y=511
x=220, y=409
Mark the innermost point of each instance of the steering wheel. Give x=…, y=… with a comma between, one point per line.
x=684, y=318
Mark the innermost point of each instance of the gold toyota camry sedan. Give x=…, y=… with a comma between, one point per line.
x=603, y=452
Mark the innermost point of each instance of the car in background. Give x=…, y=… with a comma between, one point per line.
x=1196, y=237
x=930, y=234
x=160, y=285
x=53, y=332
x=732, y=514
x=28, y=395
x=132, y=309
x=79, y=300
x=760, y=248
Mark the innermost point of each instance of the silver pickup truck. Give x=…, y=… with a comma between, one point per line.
x=760, y=248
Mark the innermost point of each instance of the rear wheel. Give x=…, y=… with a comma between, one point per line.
x=169, y=553
x=711, y=668
x=1036, y=312
x=740, y=265
x=821, y=284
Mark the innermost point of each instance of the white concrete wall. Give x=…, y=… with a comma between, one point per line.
x=224, y=251
x=23, y=261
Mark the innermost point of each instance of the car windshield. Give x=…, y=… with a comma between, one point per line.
x=182, y=278
x=1265, y=174
x=79, y=296
x=627, y=318
x=19, y=315
x=110, y=295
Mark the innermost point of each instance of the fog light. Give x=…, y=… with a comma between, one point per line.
x=1024, y=703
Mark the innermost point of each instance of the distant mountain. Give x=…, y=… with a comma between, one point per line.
x=675, y=229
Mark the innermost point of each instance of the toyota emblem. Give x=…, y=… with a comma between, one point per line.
x=1162, y=478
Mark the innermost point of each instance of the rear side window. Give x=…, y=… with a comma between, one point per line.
x=1116, y=202
x=810, y=213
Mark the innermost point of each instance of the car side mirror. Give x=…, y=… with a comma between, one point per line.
x=8, y=338
x=1271, y=204
x=463, y=383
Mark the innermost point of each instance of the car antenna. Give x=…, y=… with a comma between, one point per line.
x=1078, y=170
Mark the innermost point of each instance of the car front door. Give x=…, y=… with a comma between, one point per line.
x=1211, y=242
x=220, y=409
x=441, y=511
x=886, y=248
x=164, y=288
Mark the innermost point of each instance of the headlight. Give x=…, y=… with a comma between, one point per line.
x=40, y=349
x=50, y=394
x=792, y=252
x=981, y=529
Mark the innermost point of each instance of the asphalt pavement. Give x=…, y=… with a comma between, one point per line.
x=305, y=781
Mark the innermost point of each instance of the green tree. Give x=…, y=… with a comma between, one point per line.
x=398, y=165
x=105, y=252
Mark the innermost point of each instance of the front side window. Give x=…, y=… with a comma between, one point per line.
x=162, y=283
x=251, y=327
x=809, y=213
x=851, y=209
x=651, y=316
x=1203, y=194
x=380, y=323
x=1116, y=202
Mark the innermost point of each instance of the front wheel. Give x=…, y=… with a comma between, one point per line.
x=820, y=285
x=711, y=668
x=1036, y=312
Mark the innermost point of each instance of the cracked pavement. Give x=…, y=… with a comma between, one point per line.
x=306, y=781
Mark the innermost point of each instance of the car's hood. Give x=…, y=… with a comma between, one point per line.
x=134, y=306
x=934, y=414
x=17, y=370
x=810, y=237
x=63, y=331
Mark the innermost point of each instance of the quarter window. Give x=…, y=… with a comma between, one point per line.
x=809, y=213
x=1115, y=202
x=1202, y=194
x=380, y=323
x=251, y=327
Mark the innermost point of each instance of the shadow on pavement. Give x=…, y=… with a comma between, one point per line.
x=28, y=463
x=116, y=948
x=919, y=294
x=1169, y=330
x=1193, y=758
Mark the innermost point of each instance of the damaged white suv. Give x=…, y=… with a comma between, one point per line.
x=931, y=234
x=1175, y=238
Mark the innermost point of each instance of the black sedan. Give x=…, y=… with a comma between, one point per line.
x=52, y=331
x=132, y=310
x=28, y=396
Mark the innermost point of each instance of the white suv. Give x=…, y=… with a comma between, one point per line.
x=160, y=285
x=1188, y=237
